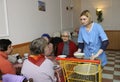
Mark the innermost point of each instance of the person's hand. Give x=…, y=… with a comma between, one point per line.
x=59, y=74
x=93, y=57
x=78, y=51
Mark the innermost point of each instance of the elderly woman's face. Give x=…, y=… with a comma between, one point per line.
x=65, y=37
x=47, y=50
x=84, y=20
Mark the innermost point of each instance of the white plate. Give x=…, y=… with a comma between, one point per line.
x=79, y=55
x=62, y=56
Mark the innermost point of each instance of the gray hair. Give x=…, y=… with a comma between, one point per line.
x=68, y=33
x=37, y=46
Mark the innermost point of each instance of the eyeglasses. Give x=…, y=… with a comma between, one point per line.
x=65, y=36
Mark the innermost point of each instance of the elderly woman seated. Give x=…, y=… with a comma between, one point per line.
x=38, y=66
x=67, y=47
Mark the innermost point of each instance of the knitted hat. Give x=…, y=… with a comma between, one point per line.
x=12, y=78
x=46, y=35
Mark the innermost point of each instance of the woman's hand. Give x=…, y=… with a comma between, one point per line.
x=93, y=57
x=58, y=73
x=78, y=51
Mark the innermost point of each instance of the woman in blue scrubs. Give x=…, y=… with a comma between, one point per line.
x=92, y=39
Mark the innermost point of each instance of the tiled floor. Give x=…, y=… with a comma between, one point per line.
x=111, y=72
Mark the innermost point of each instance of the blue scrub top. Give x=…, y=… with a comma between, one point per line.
x=92, y=41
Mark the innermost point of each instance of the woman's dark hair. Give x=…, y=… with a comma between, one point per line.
x=4, y=43
x=46, y=35
x=37, y=46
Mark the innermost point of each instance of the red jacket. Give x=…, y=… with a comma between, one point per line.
x=5, y=65
x=72, y=48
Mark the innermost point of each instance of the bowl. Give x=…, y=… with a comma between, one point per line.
x=62, y=56
x=79, y=55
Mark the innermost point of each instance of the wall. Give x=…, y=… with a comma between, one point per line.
x=3, y=19
x=110, y=9
x=66, y=15
x=76, y=13
x=70, y=17
x=21, y=49
x=26, y=22
x=114, y=40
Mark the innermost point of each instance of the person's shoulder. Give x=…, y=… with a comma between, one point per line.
x=48, y=62
x=4, y=60
x=99, y=26
x=82, y=26
x=96, y=24
x=71, y=41
x=60, y=43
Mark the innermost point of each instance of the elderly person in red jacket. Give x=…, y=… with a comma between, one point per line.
x=67, y=47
